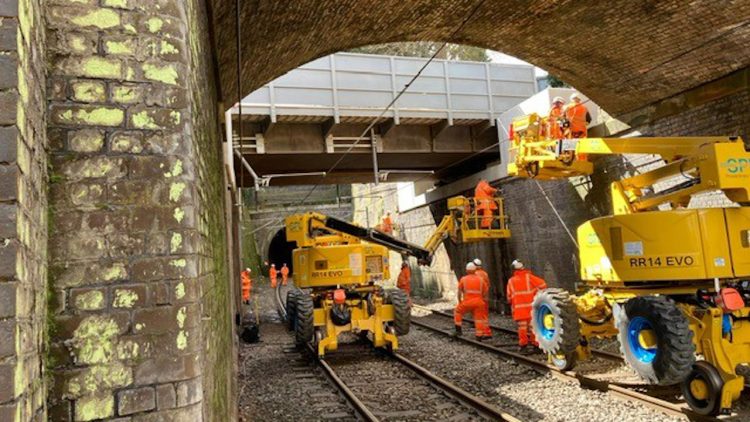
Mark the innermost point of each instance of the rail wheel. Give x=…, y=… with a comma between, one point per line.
x=304, y=326
x=401, y=310
x=554, y=320
x=563, y=362
x=656, y=340
x=291, y=308
x=702, y=389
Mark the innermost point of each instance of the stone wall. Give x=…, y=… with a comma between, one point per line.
x=137, y=249
x=23, y=212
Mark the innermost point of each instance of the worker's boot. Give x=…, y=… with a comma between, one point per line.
x=458, y=332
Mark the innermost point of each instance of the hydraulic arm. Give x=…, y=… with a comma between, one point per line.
x=669, y=282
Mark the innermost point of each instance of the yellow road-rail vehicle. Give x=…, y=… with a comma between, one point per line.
x=339, y=265
x=671, y=282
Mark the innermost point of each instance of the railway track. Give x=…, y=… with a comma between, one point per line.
x=642, y=394
x=381, y=385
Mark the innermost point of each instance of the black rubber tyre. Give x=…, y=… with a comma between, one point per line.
x=564, y=338
x=304, y=325
x=711, y=404
x=674, y=355
x=291, y=308
x=401, y=310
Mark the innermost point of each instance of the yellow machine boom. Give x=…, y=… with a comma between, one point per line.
x=668, y=280
x=339, y=265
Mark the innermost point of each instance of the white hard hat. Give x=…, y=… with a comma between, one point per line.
x=273, y=265
x=558, y=100
x=574, y=95
x=471, y=267
x=516, y=264
x=247, y=269
x=477, y=262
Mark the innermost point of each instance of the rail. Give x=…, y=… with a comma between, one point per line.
x=586, y=382
x=484, y=408
x=600, y=353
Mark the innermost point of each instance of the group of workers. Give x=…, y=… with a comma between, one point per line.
x=568, y=121
x=473, y=297
x=273, y=274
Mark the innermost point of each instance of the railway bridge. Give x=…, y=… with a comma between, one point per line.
x=119, y=260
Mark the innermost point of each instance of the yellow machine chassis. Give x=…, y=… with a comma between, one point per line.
x=327, y=332
x=723, y=353
x=644, y=250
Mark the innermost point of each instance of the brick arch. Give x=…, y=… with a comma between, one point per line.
x=623, y=54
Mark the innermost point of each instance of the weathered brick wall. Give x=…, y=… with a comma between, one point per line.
x=23, y=212
x=137, y=250
x=219, y=344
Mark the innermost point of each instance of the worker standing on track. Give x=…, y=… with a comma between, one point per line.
x=273, y=274
x=484, y=197
x=284, y=274
x=471, y=293
x=387, y=224
x=555, y=117
x=522, y=288
x=486, y=278
x=404, y=279
x=247, y=284
x=578, y=116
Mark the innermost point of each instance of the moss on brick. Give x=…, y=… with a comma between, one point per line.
x=120, y=47
x=142, y=120
x=100, y=18
x=90, y=301
x=154, y=24
x=124, y=298
x=100, y=67
x=166, y=74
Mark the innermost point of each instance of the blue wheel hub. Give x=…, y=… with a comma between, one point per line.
x=543, y=314
x=638, y=328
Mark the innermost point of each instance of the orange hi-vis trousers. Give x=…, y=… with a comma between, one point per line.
x=525, y=333
x=476, y=306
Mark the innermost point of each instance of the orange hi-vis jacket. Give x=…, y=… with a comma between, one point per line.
x=272, y=274
x=387, y=225
x=522, y=288
x=553, y=126
x=473, y=287
x=404, y=280
x=486, y=278
x=576, y=115
x=483, y=194
x=246, y=285
x=284, y=272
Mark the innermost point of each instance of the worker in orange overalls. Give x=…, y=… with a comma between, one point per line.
x=404, y=279
x=387, y=224
x=471, y=293
x=555, y=117
x=284, y=274
x=272, y=274
x=522, y=288
x=578, y=117
x=247, y=284
x=484, y=197
x=486, y=278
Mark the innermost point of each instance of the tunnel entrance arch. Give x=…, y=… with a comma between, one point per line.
x=280, y=251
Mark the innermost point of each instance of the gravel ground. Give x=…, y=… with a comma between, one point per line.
x=516, y=388
x=393, y=392
x=622, y=374
x=278, y=383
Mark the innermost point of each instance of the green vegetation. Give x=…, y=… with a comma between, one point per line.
x=427, y=49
